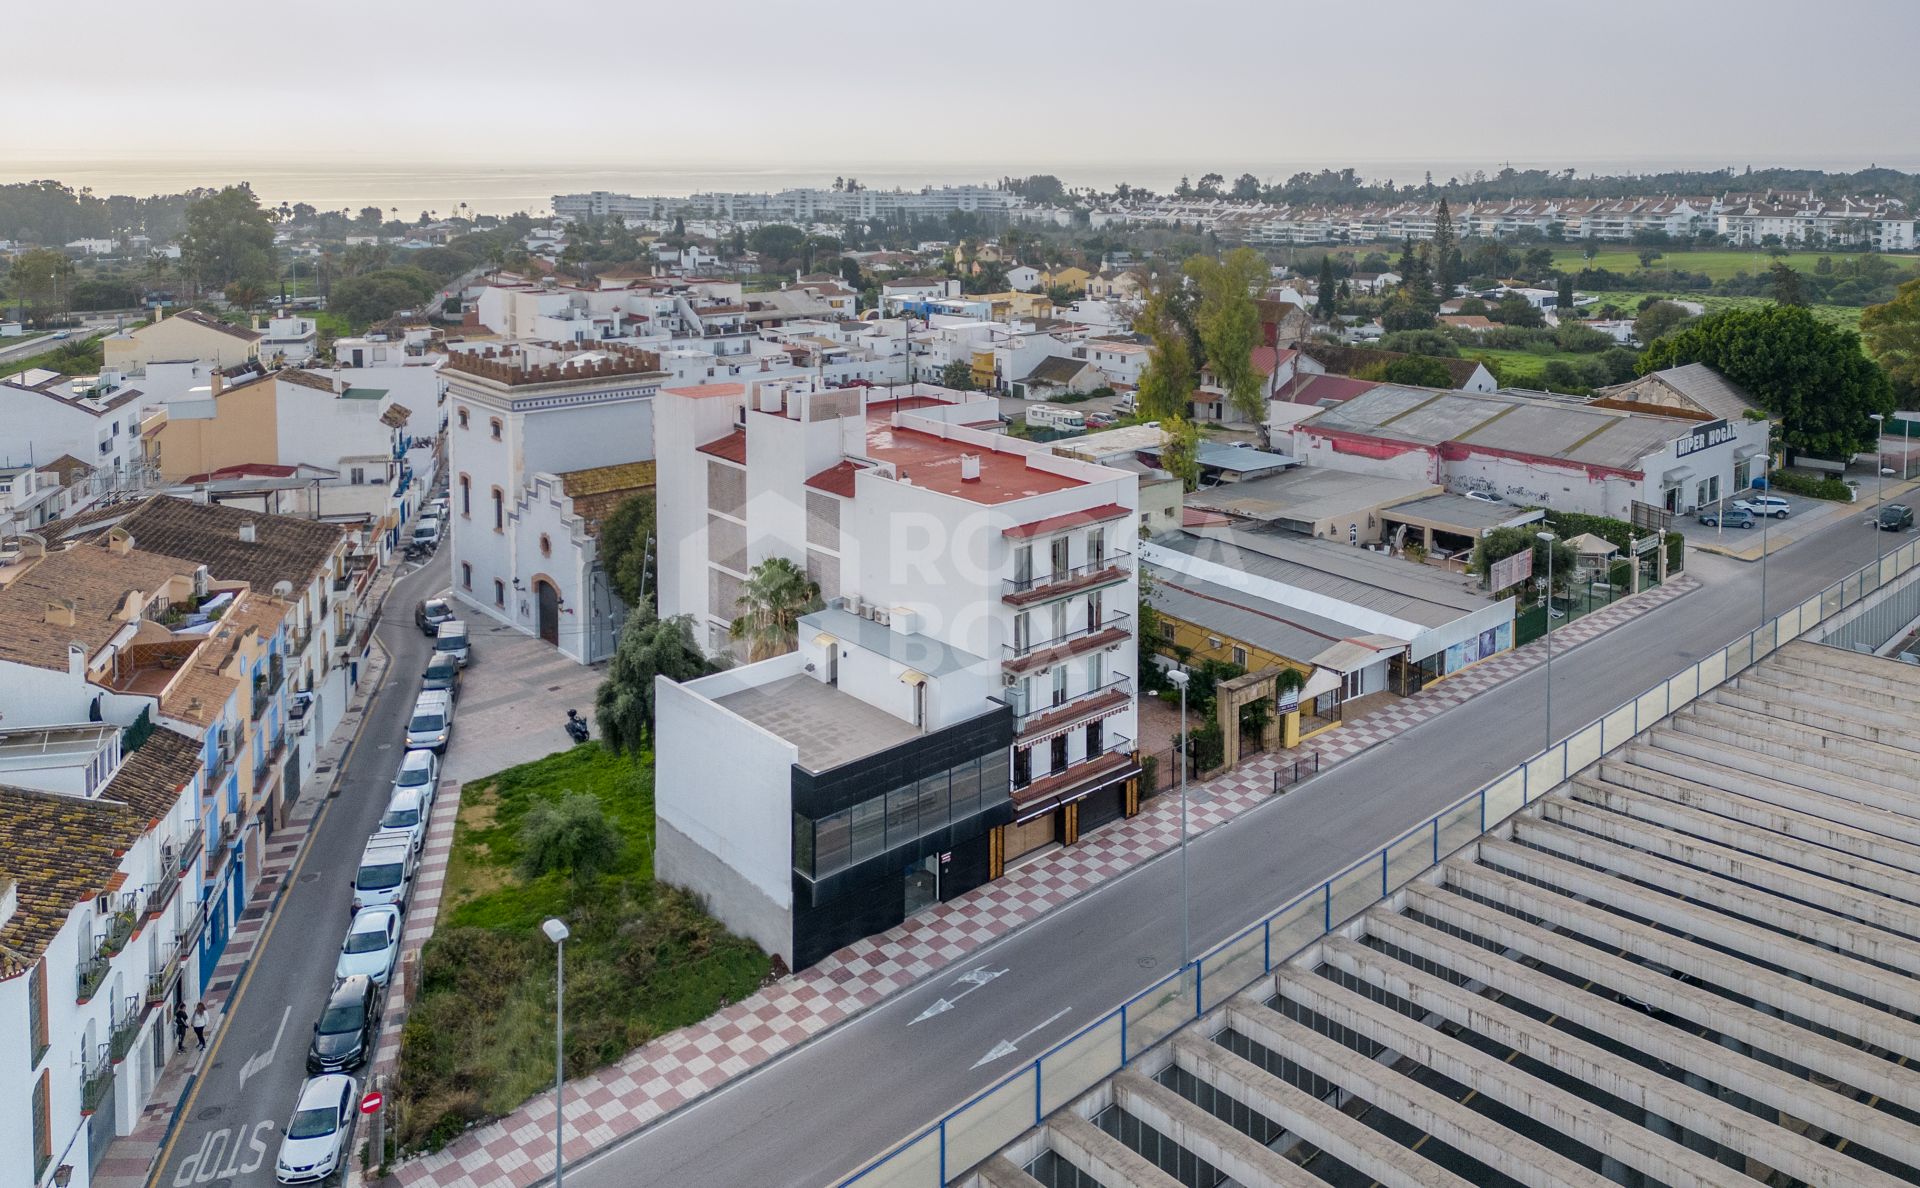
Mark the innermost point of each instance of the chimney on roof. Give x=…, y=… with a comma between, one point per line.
x=969, y=468
x=339, y=385
x=249, y=532
x=119, y=541
x=218, y=381
x=60, y=612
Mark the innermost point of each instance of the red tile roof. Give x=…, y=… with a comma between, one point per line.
x=703, y=391
x=1072, y=519
x=732, y=447
x=1267, y=360
x=927, y=460
x=836, y=479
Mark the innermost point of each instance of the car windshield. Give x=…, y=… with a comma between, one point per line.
x=379, y=876
x=411, y=776
x=311, y=1124
x=400, y=819
x=366, y=941
x=339, y=1020
x=426, y=723
x=449, y=643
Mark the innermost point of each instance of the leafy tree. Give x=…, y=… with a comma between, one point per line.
x=1228, y=316
x=648, y=647
x=1417, y=371
x=1660, y=319
x=571, y=835
x=777, y=242
x=1403, y=312
x=442, y=263
x=625, y=537
x=42, y=278
x=1502, y=543
x=229, y=238
x=1558, y=375
x=957, y=375
x=247, y=294
x=1416, y=280
x=1892, y=332
x=1563, y=301
x=1445, y=249
x=1421, y=342
x=370, y=218
x=1246, y=188
x=850, y=272
x=376, y=296
x=1537, y=262
x=1328, y=304
x=1170, y=376
x=1813, y=377
x=1515, y=310
x=1648, y=256
x=1473, y=305
x=1783, y=284
x=1209, y=186
x=1181, y=455
x=776, y=593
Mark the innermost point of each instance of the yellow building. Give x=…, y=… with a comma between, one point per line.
x=1071, y=277
x=230, y=427
x=1013, y=304
x=189, y=334
x=1112, y=286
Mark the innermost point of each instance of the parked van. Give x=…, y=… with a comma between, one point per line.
x=431, y=724
x=1052, y=416
x=450, y=639
x=426, y=532
x=385, y=874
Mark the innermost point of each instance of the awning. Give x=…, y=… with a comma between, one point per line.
x=1748, y=451
x=1050, y=792
x=1323, y=680
x=1676, y=476
x=823, y=640
x=1050, y=724
x=1352, y=655
x=911, y=677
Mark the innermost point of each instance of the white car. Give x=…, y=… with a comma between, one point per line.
x=406, y=816
x=419, y=772
x=372, y=946
x=315, y=1145
x=1765, y=505
x=1484, y=497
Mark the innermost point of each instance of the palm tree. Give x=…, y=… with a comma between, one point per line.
x=776, y=594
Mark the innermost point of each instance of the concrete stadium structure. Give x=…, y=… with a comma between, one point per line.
x=1691, y=964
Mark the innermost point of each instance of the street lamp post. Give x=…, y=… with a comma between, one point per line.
x=1180, y=677
x=556, y=930
x=1548, y=538
x=1766, y=526
x=1879, y=481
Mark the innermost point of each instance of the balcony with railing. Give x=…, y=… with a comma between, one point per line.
x=96, y=1080
x=175, y=857
x=1105, y=570
x=1082, y=777
x=221, y=769
x=1027, y=655
x=1046, y=717
x=126, y=1028
x=108, y=940
x=266, y=684
x=161, y=978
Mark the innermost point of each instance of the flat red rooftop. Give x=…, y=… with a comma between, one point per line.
x=934, y=463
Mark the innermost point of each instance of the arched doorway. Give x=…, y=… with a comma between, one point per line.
x=548, y=600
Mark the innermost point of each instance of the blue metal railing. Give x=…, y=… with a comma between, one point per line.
x=1021, y=1100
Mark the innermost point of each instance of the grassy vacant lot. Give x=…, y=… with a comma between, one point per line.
x=643, y=959
x=1716, y=264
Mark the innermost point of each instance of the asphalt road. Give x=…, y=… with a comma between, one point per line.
x=230, y=1132
x=832, y=1105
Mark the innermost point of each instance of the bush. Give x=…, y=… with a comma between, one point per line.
x=1070, y=398
x=1676, y=553
x=571, y=835
x=1812, y=488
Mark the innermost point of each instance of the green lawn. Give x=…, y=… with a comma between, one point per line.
x=643, y=960
x=1715, y=264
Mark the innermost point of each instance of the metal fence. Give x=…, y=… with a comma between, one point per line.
x=992, y=1119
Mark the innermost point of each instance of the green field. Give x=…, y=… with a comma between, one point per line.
x=1718, y=264
x=1847, y=317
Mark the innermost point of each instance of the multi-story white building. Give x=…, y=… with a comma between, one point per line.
x=95, y=419
x=528, y=424
x=1883, y=224
x=965, y=696
x=801, y=205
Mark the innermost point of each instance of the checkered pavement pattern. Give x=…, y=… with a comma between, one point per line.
x=423, y=910
x=678, y=1068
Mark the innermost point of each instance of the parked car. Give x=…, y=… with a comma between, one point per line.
x=408, y=810
x=426, y=532
x=343, y=1036
x=431, y=724
x=318, y=1137
x=1484, y=497
x=385, y=873
x=1765, y=505
x=1733, y=517
x=1894, y=517
x=442, y=676
x=419, y=772
x=452, y=640
x=371, y=947
x=429, y=613
x=1101, y=420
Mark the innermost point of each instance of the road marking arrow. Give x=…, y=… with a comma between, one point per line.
x=1009, y=1047
x=973, y=979
x=260, y=1060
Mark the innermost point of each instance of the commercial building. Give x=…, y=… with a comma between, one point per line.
x=971, y=668
x=1314, y=501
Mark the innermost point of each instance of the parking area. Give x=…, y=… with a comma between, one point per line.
x=514, y=699
x=1798, y=506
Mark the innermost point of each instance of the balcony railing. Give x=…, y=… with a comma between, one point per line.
x=1089, y=573
x=191, y=926
x=175, y=857
x=159, y=981
x=1065, y=779
x=125, y=1028
x=1024, y=716
x=1027, y=648
x=96, y=1081
x=91, y=973
x=222, y=767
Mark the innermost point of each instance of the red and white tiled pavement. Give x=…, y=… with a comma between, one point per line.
x=675, y=1069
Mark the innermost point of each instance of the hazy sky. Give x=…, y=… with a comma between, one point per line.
x=1087, y=89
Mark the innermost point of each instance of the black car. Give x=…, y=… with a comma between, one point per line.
x=429, y=613
x=343, y=1038
x=1894, y=517
x=443, y=672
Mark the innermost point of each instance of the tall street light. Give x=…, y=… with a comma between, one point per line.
x=556, y=930
x=1766, y=526
x=1548, y=538
x=1180, y=678
x=1879, y=483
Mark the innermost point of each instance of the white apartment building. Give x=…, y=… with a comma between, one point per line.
x=1882, y=224
x=95, y=419
x=965, y=696
x=289, y=339
x=800, y=205
x=527, y=421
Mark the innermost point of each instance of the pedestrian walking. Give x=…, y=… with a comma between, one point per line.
x=200, y=1024
x=179, y=1028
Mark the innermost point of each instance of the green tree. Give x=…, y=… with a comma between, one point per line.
x=1563, y=303
x=1327, y=296
x=1246, y=188
x=1180, y=456
x=570, y=835
x=1501, y=543
x=626, y=537
x=777, y=243
x=1660, y=319
x=1228, y=316
x=1170, y=376
x=1648, y=256
x=1421, y=342
x=377, y=296
x=1814, y=378
x=648, y=647
x=1418, y=371
x=957, y=375
x=248, y=294
x=1892, y=333
x=1445, y=252
x=1515, y=310
x=1783, y=284
x=776, y=593
x=42, y=279
x=1404, y=312
x=229, y=238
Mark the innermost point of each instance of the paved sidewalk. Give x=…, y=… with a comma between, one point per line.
x=1747, y=544
x=128, y=1160
x=678, y=1068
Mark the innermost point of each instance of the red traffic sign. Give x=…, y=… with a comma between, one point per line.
x=371, y=1103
